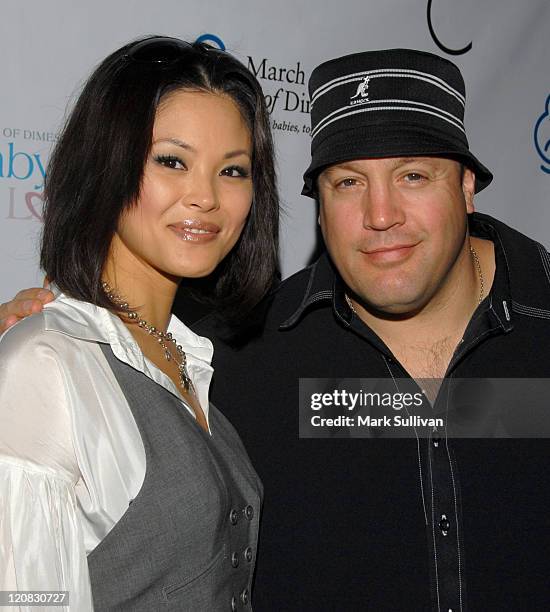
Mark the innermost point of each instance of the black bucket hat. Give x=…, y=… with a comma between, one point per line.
x=390, y=103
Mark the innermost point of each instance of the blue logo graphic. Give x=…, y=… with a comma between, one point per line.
x=21, y=165
x=542, y=136
x=212, y=39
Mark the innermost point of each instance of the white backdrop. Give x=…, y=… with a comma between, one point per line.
x=49, y=47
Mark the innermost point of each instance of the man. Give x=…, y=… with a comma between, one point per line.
x=414, y=285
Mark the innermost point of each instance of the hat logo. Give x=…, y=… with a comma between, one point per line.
x=362, y=94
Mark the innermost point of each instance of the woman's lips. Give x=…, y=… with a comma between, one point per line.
x=195, y=231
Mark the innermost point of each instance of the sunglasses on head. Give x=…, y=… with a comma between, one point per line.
x=159, y=50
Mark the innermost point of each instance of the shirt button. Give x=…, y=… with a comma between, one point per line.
x=444, y=524
x=235, y=559
x=248, y=554
x=435, y=441
x=233, y=604
x=249, y=512
x=244, y=597
x=233, y=516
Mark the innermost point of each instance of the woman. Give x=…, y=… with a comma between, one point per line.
x=120, y=484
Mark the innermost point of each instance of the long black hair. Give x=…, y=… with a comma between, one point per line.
x=96, y=169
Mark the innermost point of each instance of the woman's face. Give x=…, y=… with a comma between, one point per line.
x=197, y=187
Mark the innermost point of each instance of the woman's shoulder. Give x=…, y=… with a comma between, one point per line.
x=35, y=420
x=60, y=327
x=19, y=338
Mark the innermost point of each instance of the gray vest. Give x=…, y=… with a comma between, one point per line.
x=188, y=540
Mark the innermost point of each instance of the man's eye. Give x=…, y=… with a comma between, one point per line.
x=236, y=172
x=413, y=177
x=170, y=161
x=347, y=182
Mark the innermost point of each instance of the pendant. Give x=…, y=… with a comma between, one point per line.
x=185, y=381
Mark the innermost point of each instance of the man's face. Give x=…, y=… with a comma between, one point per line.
x=396, y=228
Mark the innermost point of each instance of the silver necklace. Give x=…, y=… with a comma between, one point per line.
x=479, y=273
x=164, y=339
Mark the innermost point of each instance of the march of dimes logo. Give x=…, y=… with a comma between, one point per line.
x=542, y=137
x=285, y=90
x=22, y=171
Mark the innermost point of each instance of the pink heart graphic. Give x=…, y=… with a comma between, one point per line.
x=29, y=201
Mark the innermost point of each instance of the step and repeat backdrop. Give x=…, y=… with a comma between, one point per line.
x=48, y=47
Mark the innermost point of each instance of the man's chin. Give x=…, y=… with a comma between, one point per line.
x=393, y=307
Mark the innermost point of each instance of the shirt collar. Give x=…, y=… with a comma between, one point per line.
x=86, y=321
x=319, y=287
x=498, y=303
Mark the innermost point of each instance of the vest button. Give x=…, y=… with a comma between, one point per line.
x=244, y=597
x=235, y=560
x=233, y=516
x=233, y=604
x=248, y=554
x=249, y=512
x=444, y=525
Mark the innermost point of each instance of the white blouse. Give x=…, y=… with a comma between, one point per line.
x=71, y=456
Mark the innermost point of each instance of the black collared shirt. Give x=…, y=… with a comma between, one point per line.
x=394, y=524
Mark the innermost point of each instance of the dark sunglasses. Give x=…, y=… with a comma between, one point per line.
x=160, y=50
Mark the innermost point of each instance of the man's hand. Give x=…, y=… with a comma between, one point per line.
x=25, y=303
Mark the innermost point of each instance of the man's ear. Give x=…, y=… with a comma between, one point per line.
x=468, y=189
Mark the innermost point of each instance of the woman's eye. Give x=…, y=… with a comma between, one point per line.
x=236, y=172
x=170, y=161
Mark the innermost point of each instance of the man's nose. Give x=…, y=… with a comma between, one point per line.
x=382, y=209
